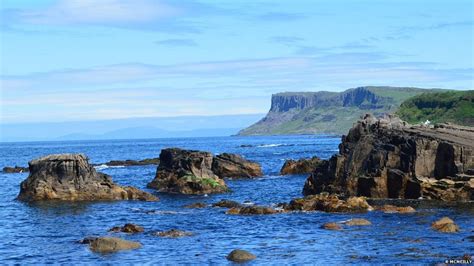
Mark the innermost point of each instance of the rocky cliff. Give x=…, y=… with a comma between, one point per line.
x=387, y=158
x=327, y=112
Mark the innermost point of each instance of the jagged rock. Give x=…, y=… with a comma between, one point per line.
x=112, y=244
x=301, y=166
x=395, y=209
x=186, y=172
x=173, y=233
x=445, y=225
x=331, y=226
x=233, y=165
x=227, y=204
x=238, y=255
x=251, y=210
x=357, y=221
x=87, y=240
x=13, y=170
x=127, y=228
x=328, y=203
x=70, y=177
x=386, y=158
x=196, y=205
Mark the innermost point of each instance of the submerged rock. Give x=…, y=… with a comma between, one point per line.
x=251, y=210
x=328, y=203
x=233, y=165
x=227, y=204
x=445, y=225
x=331, y=226
x=13, y=170
x=357, y=221
x=395, y=209
x=238, y=255
x=173, y=233
x=70, y=177
x=186, y=172
x=387, y=158
x=127, y=228
x=197, y=205
x=301, y=166
x=111, y=244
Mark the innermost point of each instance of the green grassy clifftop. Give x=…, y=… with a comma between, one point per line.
x=452, y=106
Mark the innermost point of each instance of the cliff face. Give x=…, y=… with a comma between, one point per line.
x=327, y=112
x=386, y=158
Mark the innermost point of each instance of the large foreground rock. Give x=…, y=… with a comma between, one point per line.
x=386, y=158
x=301, y=166
x=187, y=172
x=233, y=165
x=238, y=255
x=70, y=177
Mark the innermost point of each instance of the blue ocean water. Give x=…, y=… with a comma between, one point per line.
x=44, y=233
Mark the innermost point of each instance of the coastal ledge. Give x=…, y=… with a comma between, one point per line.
x=388, y=158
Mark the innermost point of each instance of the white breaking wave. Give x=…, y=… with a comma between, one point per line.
x=269, y=145
x=104, y=166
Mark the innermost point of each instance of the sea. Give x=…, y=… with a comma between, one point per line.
x=48, y=232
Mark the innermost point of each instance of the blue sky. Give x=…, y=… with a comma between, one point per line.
x=66, y=60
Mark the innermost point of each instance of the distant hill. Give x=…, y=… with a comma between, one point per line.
x=451, y=106
x=328, y=112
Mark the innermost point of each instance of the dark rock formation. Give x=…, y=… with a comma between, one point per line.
x=301, y=166
x=227, y=204
x=251, y=210
x=238, y=255
x=233, y=165
x=172, y=233
x=13, y=170
x=186, y=172
x=328, y=203
x=127, y=228
x=111, y=244
x=386, y=158
x=70, y=177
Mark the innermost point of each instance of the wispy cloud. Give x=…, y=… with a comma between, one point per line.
x=281, y=16
x=177, y=42
x=286, y=40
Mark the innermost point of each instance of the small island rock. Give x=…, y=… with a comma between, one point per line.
x=70, y=177
x=238, y=255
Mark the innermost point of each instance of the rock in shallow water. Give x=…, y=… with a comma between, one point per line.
x=331, y=226
x=251, y=210
x=187, y=172
x=112, y=244
x=127, y=228
x=13, y=170
x=301, y=166
x=357, y=221
x=328, y=203
x=395, y=209
x=238, y=255
x=70, y=177
x=445, y=225
x=233, y=165
x=227, y=204
x=197, y=205
x=172, y=233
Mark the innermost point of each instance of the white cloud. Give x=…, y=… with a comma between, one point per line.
x=100, y=12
